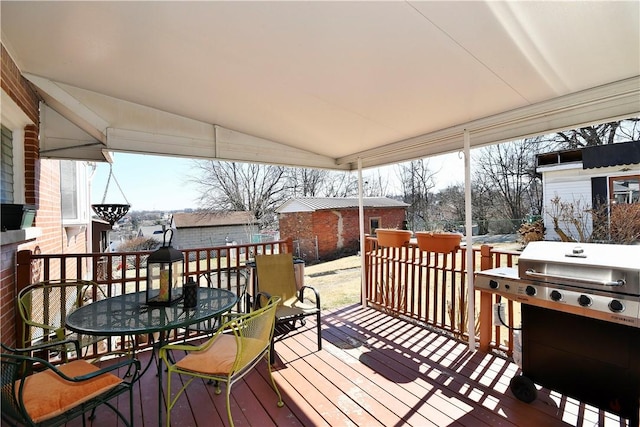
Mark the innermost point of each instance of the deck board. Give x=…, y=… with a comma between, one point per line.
x=374, y=370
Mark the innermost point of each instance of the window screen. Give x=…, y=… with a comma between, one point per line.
x=69, y=189
x=6, y=167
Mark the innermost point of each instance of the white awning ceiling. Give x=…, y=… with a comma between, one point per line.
x=320, y=84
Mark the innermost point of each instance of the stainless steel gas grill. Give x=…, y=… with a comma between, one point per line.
x=580, y=321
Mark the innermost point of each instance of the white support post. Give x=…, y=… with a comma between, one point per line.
x=363, y=282
x=471, y=328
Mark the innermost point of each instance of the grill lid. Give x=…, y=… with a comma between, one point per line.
x=614, y=268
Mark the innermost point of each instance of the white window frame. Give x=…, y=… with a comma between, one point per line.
x=81, y=194
x=628, y=198
x=15, y=120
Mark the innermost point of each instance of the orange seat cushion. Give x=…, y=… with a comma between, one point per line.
x=46, y=395
x=219, y=358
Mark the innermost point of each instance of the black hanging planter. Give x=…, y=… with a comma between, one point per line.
x=111, y=212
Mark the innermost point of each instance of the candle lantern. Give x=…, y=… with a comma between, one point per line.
x=165, y=269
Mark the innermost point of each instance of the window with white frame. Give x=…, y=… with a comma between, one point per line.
x=73, y=192
x=625, y=189
x=13, y=121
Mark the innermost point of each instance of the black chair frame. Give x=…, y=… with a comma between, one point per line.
x=18, y=364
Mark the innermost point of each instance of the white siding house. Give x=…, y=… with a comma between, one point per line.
x=588, y=177
x=206, y=229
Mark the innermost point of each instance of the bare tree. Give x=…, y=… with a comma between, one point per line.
x=416, y=180
x=482, y=206
x=605, y=133
x=509, y=170
x=340, y=184
x=241, y=187
x=449, y=207
x=303, y=182
x=375, y=185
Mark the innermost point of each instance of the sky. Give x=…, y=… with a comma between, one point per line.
x=147, y=182
x=162, y=183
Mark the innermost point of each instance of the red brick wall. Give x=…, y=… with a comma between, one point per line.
x=17, y=87
x=299, y=227
x=337, y=231
x=42, y=189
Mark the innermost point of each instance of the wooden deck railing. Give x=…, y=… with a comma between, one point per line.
x=123, y=272
x=431, y=288
x=428, y=288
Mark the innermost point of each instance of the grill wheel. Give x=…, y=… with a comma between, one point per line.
x=523, y=389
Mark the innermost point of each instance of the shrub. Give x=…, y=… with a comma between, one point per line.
x=138, y=244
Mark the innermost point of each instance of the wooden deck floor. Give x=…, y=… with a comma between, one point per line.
x=374, y=370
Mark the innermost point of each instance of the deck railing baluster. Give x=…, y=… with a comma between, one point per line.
x=432, y=288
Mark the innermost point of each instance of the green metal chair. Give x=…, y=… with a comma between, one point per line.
x=235, y=348
x=44, y=307
x=37, y=393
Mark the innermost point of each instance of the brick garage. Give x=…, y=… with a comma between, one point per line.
x=332, y=223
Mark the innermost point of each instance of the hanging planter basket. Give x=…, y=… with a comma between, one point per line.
x=111, y=212
x=438, y=242
x=392, y=238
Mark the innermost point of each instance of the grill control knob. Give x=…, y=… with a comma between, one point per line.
x=584, y=301
x=530, y=290
x=493, y=284
x=616, y=306
x=555, y=295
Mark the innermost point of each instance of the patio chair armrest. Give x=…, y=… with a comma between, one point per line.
x=163, y=353
x=44, y=346
x=257, y=300
x=312, y=289
x=48, y=365
x=59, y=331
x=132, y=365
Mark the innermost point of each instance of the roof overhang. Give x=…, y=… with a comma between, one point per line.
x=320, y=84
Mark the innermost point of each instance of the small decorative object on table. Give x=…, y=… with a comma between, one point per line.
x=190, y=294
x=441, y=242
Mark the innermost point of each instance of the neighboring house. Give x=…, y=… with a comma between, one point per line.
x=155, y=232
x=207, y=229
x=100, y=230
x=56, y=189
x=327, y=227
x=588, y=177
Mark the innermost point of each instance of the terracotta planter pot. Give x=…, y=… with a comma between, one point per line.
x=393, y=238
x=438, y=242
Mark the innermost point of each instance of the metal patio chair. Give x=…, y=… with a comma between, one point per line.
x=236, y=347
x=37, y=393
x=276, y=277
x=44, y=306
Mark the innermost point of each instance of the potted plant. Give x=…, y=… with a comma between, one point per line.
x=442, y=242
x=393, y=238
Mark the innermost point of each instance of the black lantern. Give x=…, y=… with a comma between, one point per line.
x=164, y=274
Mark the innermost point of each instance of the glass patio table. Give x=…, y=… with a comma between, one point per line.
x=129, y=315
